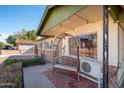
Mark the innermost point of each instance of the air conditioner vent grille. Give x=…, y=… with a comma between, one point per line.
x=86, y=67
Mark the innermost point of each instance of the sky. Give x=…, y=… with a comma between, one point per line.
x=15, y=18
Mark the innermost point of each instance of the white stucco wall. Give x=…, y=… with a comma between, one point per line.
x=121, y=55
x=47, y=40
x=91, y=28
x=113, y=42
x=97, y=27
x=26, y=46
x=26, y=49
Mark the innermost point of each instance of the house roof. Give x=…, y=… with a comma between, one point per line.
x=56, y=15
x=29, y=42
x=43, y=18
x=116, y=12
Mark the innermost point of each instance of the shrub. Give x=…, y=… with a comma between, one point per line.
x=18, y=82
x=11, y=75
x=32, y=62
x=1, y=44
x=26, y=62
x=11, y=61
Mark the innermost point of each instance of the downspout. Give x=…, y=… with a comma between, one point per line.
x=105, y=46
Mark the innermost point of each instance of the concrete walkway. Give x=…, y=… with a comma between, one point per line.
x=35, y=78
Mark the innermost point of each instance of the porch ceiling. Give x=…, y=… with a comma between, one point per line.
x=56, y=14
x=85, y=16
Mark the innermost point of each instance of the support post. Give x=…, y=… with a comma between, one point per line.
x=105, y=46
x=41, y=51
x=78, y=69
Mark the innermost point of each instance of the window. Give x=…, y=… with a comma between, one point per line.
x=39, y=45
x=48, y=45
x=87, y=48
x=88, y=45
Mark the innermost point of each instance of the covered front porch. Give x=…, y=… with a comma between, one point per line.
x=86, y=40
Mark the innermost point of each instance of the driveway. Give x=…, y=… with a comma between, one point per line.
x=35, y=78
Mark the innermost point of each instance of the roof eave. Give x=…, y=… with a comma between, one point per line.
x=43, y=18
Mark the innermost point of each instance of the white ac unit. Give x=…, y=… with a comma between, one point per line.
x=91, y=69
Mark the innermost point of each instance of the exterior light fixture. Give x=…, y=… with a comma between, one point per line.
x=109, y=8
x=117, y=21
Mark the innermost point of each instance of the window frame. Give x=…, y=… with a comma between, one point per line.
x=96, y=56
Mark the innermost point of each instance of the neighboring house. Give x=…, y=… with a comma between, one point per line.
x=26, y=46
x=88, y=24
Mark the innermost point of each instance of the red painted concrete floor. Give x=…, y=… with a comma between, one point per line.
x=70, y=82
x=62, y=82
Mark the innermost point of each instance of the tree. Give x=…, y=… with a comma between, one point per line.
x=22, y=35
x=1, y=44
x=11, y=39
x=31, y=35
